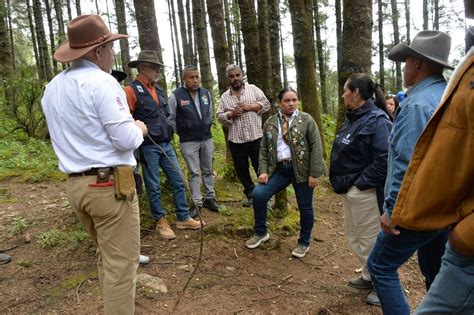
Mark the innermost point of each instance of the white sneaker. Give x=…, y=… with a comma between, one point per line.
x=144, y=260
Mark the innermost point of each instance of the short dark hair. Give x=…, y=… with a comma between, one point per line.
x=283, y=92
x=367, y=89
x=189, y=68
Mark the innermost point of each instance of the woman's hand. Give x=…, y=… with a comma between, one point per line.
x=263, y=178
x=312, y=182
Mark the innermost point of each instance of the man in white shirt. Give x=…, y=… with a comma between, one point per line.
x=92, y=133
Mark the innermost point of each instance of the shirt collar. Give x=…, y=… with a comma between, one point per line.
x=295, y=114
x=84, y=63
x=424, y=83
x=144, y=81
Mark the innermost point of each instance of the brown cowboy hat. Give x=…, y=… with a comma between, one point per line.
x=150, y=56
x=84, y=33
x=433, y=46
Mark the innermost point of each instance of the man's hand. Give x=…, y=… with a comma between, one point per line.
x=387, y=226
x=239, y=110
x=253, y=107
x=312, y=182
x=263, y=178
x=142, y=126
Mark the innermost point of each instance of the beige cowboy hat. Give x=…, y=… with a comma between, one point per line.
x=84, y=33
x=433, y=46
x=150, y=56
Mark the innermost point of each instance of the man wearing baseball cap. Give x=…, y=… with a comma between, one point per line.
x=425, y=59
x=94, y=135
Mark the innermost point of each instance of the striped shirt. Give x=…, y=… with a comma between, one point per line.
x=248, y=126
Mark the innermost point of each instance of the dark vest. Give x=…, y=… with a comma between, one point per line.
x=155, y=117
x=189, y=125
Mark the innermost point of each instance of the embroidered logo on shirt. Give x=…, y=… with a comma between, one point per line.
x=119, y=103
x=185, y=102
x=205, y=100
x=346, y=139
x=140, y=89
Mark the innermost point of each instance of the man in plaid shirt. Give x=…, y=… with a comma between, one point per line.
x=240, y=108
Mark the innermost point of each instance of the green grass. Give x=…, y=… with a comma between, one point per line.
x=69, y=237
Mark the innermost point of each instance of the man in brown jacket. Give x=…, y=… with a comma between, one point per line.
x=438, y=189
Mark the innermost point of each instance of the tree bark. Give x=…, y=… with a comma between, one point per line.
x=148, y=37
x=283, y=62
x=10, y=32
x=321, y=64
x=237, y=22
x=341, y=108
x=184, y=35
x=303, y=46
x=191, y=43
x=175, y=31
x=69, y=11
x=221, y=50
x=78, y=7
x=425, y=15
x=124, y=45
x=381, y=47
x=174, y=47
x=59, y=15
x=265, y=52
x=33, y=37
x=45, y=63
x=357, y=17
x=407, y=20
x=202, y=44
x=396, y=40
x=6, y=69
x=436, y=14
x=51, y=34
x=251, y=45
x=230, y=42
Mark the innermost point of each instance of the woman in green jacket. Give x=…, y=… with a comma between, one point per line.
x=290, y=153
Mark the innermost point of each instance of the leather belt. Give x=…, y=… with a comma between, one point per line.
x=285, y=162
x=91, y=172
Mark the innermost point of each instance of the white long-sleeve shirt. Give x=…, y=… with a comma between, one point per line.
x=88, y=119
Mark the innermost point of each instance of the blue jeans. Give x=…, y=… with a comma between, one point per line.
x=153, y=158
x=453, y=290
x=389, y=253
x=281, y=178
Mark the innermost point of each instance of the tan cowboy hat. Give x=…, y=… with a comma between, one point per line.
x=84, y=33
x=433, y=46
x=150, y=56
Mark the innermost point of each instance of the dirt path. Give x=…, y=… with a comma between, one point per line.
x=231, y=279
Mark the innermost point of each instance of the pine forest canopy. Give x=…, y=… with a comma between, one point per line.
x=303, y=43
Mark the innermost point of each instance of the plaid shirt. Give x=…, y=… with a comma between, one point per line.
x=248, y=126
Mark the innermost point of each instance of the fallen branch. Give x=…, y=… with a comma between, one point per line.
x=328, y=254
x=77, y=291
x=235, y=253
x=265, y=299
x=9, y=248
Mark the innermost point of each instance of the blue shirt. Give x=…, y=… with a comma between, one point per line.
x=410, y=120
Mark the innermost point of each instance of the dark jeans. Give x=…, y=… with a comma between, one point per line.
x=281, y=178
x=241, y=152
x=392, y=251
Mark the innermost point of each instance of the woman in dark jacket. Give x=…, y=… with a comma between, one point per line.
x=359, y=168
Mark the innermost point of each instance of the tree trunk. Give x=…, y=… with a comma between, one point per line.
x=265, y=52
x=303, y=46
x=6, y=62
x=341, y=108
x=202, y=44
x=230, y=42
x=425, y=15
x=51, y=34
x=396, y=40
x=237, y=22
x=69, y=11
x=321, y=64
x=33, y=37
x=173, y=45
x=184, y=36
x=175, y=30
x=78, y=7
x=148, y=32
x=221, y=50
x=357, y=17
x=45, y=63
x=10, y=31
x=280, y=208
x=381, y=47
x=251, y=45
x=59, y=15
x=407, y=20
x=436, y=14
x=97, y=7
x=285, y=73
x=124, y=45
x=192, y=50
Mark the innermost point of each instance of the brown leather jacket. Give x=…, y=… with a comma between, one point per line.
x=438, y=187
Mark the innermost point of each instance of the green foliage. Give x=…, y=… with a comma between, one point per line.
x=329, y=127
x=31, y=160
x=69, y=237
x=19, y=225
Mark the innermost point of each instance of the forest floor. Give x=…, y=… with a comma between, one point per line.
x=230, y=278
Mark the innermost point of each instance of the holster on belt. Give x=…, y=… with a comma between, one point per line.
x=124, y=182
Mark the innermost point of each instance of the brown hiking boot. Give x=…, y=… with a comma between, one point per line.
x=164, y=229
x=189, y=224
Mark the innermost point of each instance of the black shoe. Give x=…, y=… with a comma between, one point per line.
x=211, y=204
x=360, y=283
x=193, y=212
x=247, y=203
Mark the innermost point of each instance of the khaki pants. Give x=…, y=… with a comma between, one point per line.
x=115, y=228
x=361, y=219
